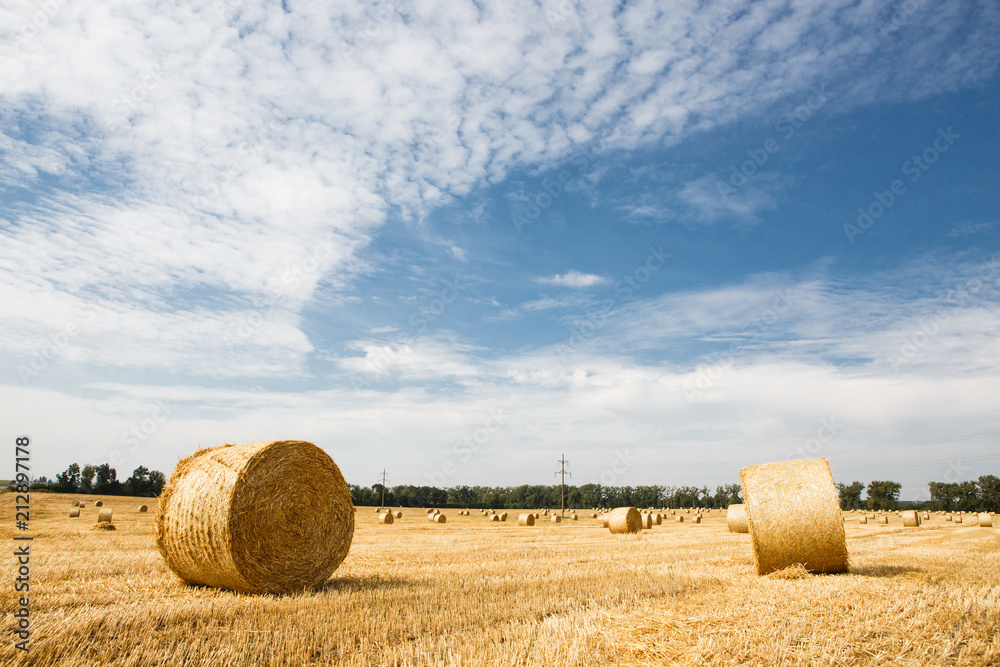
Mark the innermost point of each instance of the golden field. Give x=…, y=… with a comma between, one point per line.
x=475, y=592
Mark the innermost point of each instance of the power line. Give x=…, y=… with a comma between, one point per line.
x=384, y=483
x=562, y=471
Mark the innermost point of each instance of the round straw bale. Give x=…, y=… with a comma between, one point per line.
x=736, y=519
x=83, y=505
x=647, y=521
x=593, y=515
x=985, y=520
x=440, y=518
x=526, y=519
x=75, y=512
x=264, y=517
x=625, y=520
x=696, y=518
x=399, y=515
x=883, y=520
x=495, y=517
x=680, y=519
x=658, y=519
x=606, y=521
x=143, y=508
x=910, y=519
x=430, y=511
x=957, y=519
x=573, y=517
x=556, y=518
x=863, y=520
x=927, y=516
x=947, y=517
x=378, y=510
x=386, y=518
x=76, y=503
x=793, y=513
x=430, y=517
x=537, y=515
x=104, y=516
x=503, y=516
x=99, y=503
x=545, y=512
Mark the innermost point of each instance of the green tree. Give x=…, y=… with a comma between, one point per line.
x=87, y=479
x=107, y=480
x=157, y=481
x=850, y=495
x=989, y=493
x=883, y=495
x=69, y=479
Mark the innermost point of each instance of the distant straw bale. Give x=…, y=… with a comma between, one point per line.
x=910, y=518
x=793, y=513
x=75, y=512
x=526, y=519
x=399, y=515
x=264, y=517
x=99, y=503
x=386, y=518
x=440, y=518
x=647, y=521
x=736, y=519
x=985, y=520
x=143, y=508
x=105, y=516
x=556, y=518
x=625, y=520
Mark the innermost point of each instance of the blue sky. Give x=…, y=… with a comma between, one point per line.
x=459, y=240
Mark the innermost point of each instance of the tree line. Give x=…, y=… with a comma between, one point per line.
x=103, y=480
x=978, y=496
x=542, y=496
x=982, y=495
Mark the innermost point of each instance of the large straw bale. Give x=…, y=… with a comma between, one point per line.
x=264, y=517
x=74, y=512
x=793, y=513
x=647, y=521
x=985, y=520
x=440, y=518
x=526, y=519
x=910, y=518
x=105, y=515
x=386, y=519
x=736, y=519
x=625, y=520
x=556, y=518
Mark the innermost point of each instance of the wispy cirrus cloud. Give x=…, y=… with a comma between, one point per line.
x=574, y=279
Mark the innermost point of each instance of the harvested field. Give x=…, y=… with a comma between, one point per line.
x=568, y=594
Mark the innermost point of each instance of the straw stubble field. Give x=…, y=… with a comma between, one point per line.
x=476, y=592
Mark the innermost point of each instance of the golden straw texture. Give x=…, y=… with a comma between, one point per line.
x=264, y=517
x=793, y=512
x=736, y=518
x=625, y=520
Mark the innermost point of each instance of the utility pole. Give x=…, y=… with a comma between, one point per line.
x=562, y=472
x=383, y=486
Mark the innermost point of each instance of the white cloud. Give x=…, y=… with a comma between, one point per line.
x=574, y=279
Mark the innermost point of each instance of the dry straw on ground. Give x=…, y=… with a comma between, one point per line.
x=386, y=518
x=910, y=518
x=793, y=512
x=526, y=520
x=264, y=517
x=985, y=520
x=736, y=519
x=625, y=520
x=104, y=516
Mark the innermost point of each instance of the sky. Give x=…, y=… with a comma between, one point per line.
x=458, y=241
